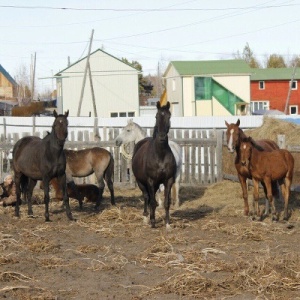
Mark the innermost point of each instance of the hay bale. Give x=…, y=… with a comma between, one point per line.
x=272, y=127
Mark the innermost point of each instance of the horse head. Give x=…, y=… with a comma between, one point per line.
x=233, y=135
x=130, y=133
x=162, y=124
x=246, y=151
x=60, y=126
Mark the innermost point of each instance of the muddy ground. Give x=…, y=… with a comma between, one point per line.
x=212, y=251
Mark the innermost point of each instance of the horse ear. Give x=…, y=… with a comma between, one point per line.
x=226, y=124
x=129, y=121
x=158, y=105
x=238, y=122
x=55, y=113
x=168, y=105
x=67, y=113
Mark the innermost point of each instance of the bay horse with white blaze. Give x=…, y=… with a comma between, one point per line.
x=82, y=163
x=153, y=163
x=266, y=167
x=132, y=132
x=42, y=159
x=234, y=136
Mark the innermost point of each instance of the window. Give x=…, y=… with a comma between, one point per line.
x=203, y=88
x=293, y=109
x=261, y=85
x=173, y=85
x=294, y=85
x=257, y=105
x=122, y=114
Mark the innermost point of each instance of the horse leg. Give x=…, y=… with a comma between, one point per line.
x=255, y=198
x=153, y=203
x=175, y=192
x=77, y=193
x=267, y=203
x=167, y=202
x=63, y=185
x=18, y=194
x=268, y=184
x=146, y=201
x=101, y=190
x=110, y=186
x=286, y=194
x=243, y=182
x=30, y=187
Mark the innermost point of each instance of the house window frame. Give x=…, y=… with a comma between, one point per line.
x=263, y=104
x=290, y=108
x=261, y=85
x=294, y=84
x=122, y=114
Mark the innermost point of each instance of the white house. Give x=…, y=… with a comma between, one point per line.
x=208, y=88
x=115, y=86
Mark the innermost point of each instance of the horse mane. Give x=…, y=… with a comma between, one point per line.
x=253, y=143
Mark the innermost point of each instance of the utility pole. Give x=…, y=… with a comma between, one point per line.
x=289, y=92
x=33, y=75
x=84, y=76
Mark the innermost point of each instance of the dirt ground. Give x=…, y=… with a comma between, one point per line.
x=212, y=251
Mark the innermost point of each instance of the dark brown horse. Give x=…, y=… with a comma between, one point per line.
x=89, y=191
x=42, y=159
x=234, y=136
x=85, y=162
x=266, y=167
x=153, y=163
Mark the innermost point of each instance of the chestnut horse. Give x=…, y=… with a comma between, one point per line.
x=234, y=136
x=42, y=159
x=82, y=163
x=153, y=163
x=266, y=167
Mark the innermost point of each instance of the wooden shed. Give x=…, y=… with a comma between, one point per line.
x=8, y=86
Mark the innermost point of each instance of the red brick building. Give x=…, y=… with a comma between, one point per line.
x=270, y=89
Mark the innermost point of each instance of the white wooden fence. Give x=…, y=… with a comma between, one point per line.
x=201, y=139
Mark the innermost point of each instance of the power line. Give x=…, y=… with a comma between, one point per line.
x=145, y=9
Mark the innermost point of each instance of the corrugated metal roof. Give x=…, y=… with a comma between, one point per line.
x=6, y=74
x=235, y=66
x=275, y=74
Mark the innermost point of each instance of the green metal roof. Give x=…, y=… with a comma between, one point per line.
x=211, y=67
x=275, y=74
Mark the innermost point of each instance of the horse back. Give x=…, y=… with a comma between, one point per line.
x=267, y=145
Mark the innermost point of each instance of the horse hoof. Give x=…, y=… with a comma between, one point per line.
x=145, y=220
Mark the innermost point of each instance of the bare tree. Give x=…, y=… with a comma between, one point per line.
x=248, y=56
x=295, y=61
x=22, y=78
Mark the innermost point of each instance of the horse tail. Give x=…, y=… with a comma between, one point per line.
x=24, y=186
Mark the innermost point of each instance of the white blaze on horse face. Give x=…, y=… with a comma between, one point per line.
x=229, y=145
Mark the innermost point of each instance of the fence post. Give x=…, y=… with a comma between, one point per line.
x=219, y=155
x=281, y=141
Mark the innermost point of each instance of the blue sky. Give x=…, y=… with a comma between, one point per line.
x=150, y=32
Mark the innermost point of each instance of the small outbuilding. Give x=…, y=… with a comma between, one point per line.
x=111, y=87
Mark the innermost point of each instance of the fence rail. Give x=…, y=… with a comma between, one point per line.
x=202, y=154
x=202, y=148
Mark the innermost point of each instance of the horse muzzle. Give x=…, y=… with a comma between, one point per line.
x=118, y=142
